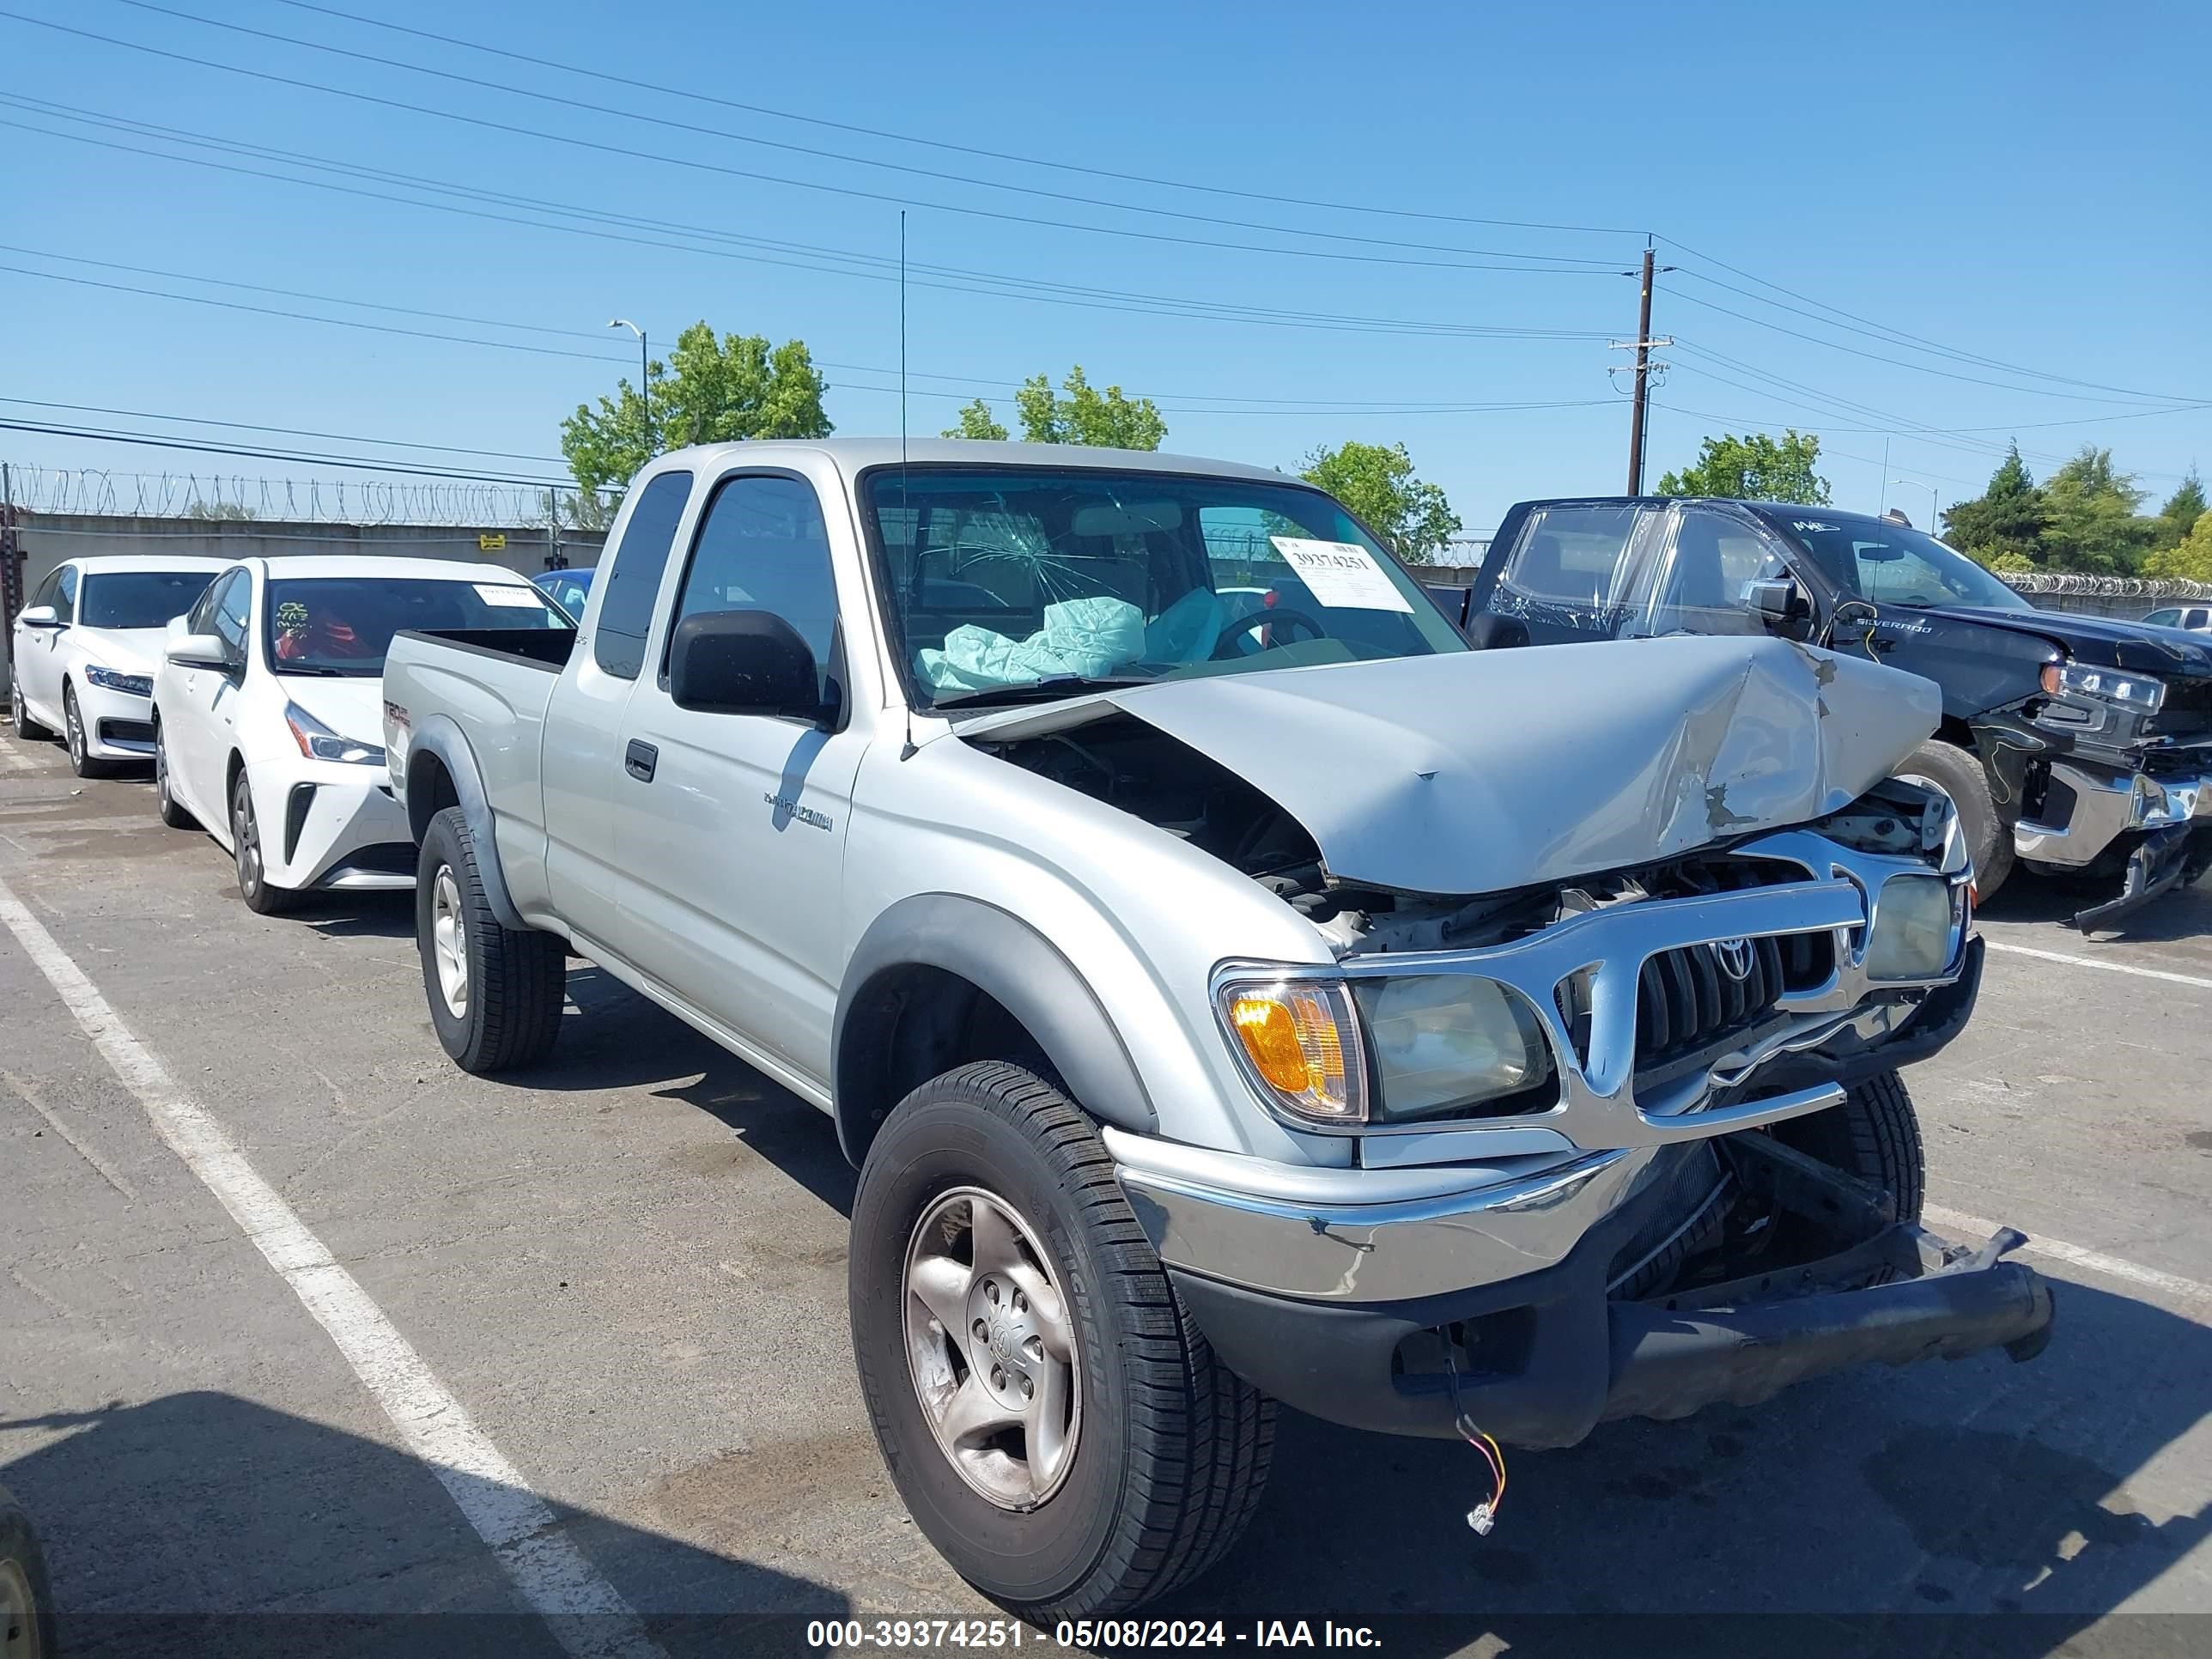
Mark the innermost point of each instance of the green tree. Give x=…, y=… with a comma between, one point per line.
x=2191, y=558
x=1753, y=468
x=1085, y=415
x=2003, y=525
x=1409, y=514
x=2182, y=510
x=2094, y=525
x=709, y=391
x=976, y=422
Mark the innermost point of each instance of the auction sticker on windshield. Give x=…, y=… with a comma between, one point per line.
x=506, y=598
x=1342, y=574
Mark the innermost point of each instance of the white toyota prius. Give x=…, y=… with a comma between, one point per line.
x=269, y=702
x=83, y=650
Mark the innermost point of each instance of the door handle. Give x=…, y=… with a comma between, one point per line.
x=639, y=760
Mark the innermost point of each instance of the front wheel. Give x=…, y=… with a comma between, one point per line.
x=26, y=1599
x=1875, y=1135
x=79, y=748
x=496, y=992
x=1957, y=774
x=254, y=885
x=1055, y=1425
x=165, y=794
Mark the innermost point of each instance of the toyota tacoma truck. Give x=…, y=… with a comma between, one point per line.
x=2076, y=745
x=1232, y=988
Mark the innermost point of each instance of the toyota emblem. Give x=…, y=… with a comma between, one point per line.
x=1734, y=956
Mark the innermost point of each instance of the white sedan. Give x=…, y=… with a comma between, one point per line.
x=265, y=697
x=84, y=648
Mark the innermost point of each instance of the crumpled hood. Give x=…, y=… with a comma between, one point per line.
x=352, y=708
x=2106, y=641
x=1480, y=771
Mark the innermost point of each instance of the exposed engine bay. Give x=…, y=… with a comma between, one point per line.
x=1135, y=766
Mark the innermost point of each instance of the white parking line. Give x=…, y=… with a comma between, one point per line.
x=2198, y=980
x=13, y=759
x=586, y=1614
x=2112, y=1266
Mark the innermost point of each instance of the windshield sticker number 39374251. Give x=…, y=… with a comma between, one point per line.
x=1342, y=574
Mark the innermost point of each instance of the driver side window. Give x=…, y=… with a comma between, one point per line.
x=1710, y=559
x=227, y=608
x=65, y=595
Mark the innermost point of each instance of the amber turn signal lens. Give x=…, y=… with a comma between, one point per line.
x=1294, y=1035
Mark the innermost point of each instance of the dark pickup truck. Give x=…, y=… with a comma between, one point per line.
x=2078, y=746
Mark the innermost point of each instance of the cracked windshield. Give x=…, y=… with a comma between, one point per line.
x=1008, y=587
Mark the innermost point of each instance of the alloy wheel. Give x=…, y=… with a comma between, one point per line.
x=75, y=723
x=245, y=837
x=18, y=1616
x=991, y=1349
x=449, y=942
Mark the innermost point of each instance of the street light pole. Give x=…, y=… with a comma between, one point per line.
x=1931, y=488
x=644, y=374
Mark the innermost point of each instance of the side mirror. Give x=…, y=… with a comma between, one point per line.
x=1492, y=632
x=744, y=662
x=1777, y=600
x=198, y=651
x=39, y=615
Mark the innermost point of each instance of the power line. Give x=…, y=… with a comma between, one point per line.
x=282, y=431
x=1882, y=330
x=1898, y=362
x=1264, y=405
x=993, y=285
x=699, y=130
x=697, y=165
x=939, y=143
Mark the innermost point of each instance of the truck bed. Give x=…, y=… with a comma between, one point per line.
x=544, y=648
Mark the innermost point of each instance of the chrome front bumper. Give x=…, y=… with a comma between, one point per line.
x=2108, y=803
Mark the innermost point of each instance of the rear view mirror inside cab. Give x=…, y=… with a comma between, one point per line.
x=1130, y=518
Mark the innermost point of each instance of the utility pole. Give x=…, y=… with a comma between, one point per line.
x=1642, y=346
x=11, y=557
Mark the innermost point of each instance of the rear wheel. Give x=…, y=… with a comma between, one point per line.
x=1955, y=773
x=254, y=884
x=1055, y=1425
x=1875, y=1135
x=80, y=749
x=19, y=711
x=495, y=992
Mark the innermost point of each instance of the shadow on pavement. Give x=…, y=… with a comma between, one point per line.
x=203, y=1523
x=356, y=915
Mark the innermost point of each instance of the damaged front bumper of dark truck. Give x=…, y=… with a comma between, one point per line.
x=1653, y=1242
x=2153, y=828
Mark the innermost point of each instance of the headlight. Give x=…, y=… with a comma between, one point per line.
x=137, y=685
x=1443, y=1043
x=1300, y=1041
x=1911, y=937
x=2136, y=691
x=318, y=741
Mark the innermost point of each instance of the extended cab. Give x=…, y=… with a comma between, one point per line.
x=1232, y=988
x=2079, y=745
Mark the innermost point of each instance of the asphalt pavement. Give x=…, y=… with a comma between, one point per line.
x=624, y=1274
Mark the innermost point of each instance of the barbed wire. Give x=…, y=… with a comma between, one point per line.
x=218, y=496
x=2107, y=587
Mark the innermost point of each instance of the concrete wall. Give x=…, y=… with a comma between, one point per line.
x=49, y=539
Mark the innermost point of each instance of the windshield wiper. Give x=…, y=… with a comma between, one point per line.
x=1053, y=686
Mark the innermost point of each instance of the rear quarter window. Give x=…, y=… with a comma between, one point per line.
x=633, y=571
x=1576, y=555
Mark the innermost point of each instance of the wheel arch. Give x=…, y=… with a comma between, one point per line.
x=441, y=772
x=939, y=979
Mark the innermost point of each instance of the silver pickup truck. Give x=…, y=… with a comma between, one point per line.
x=1231, y=988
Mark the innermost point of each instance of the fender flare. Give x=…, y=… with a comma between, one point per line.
x=441, y=739
x=1011, y=962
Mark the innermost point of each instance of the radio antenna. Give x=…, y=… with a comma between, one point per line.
x=902, y=346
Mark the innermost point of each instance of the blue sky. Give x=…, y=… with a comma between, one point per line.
x=2022, y=191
